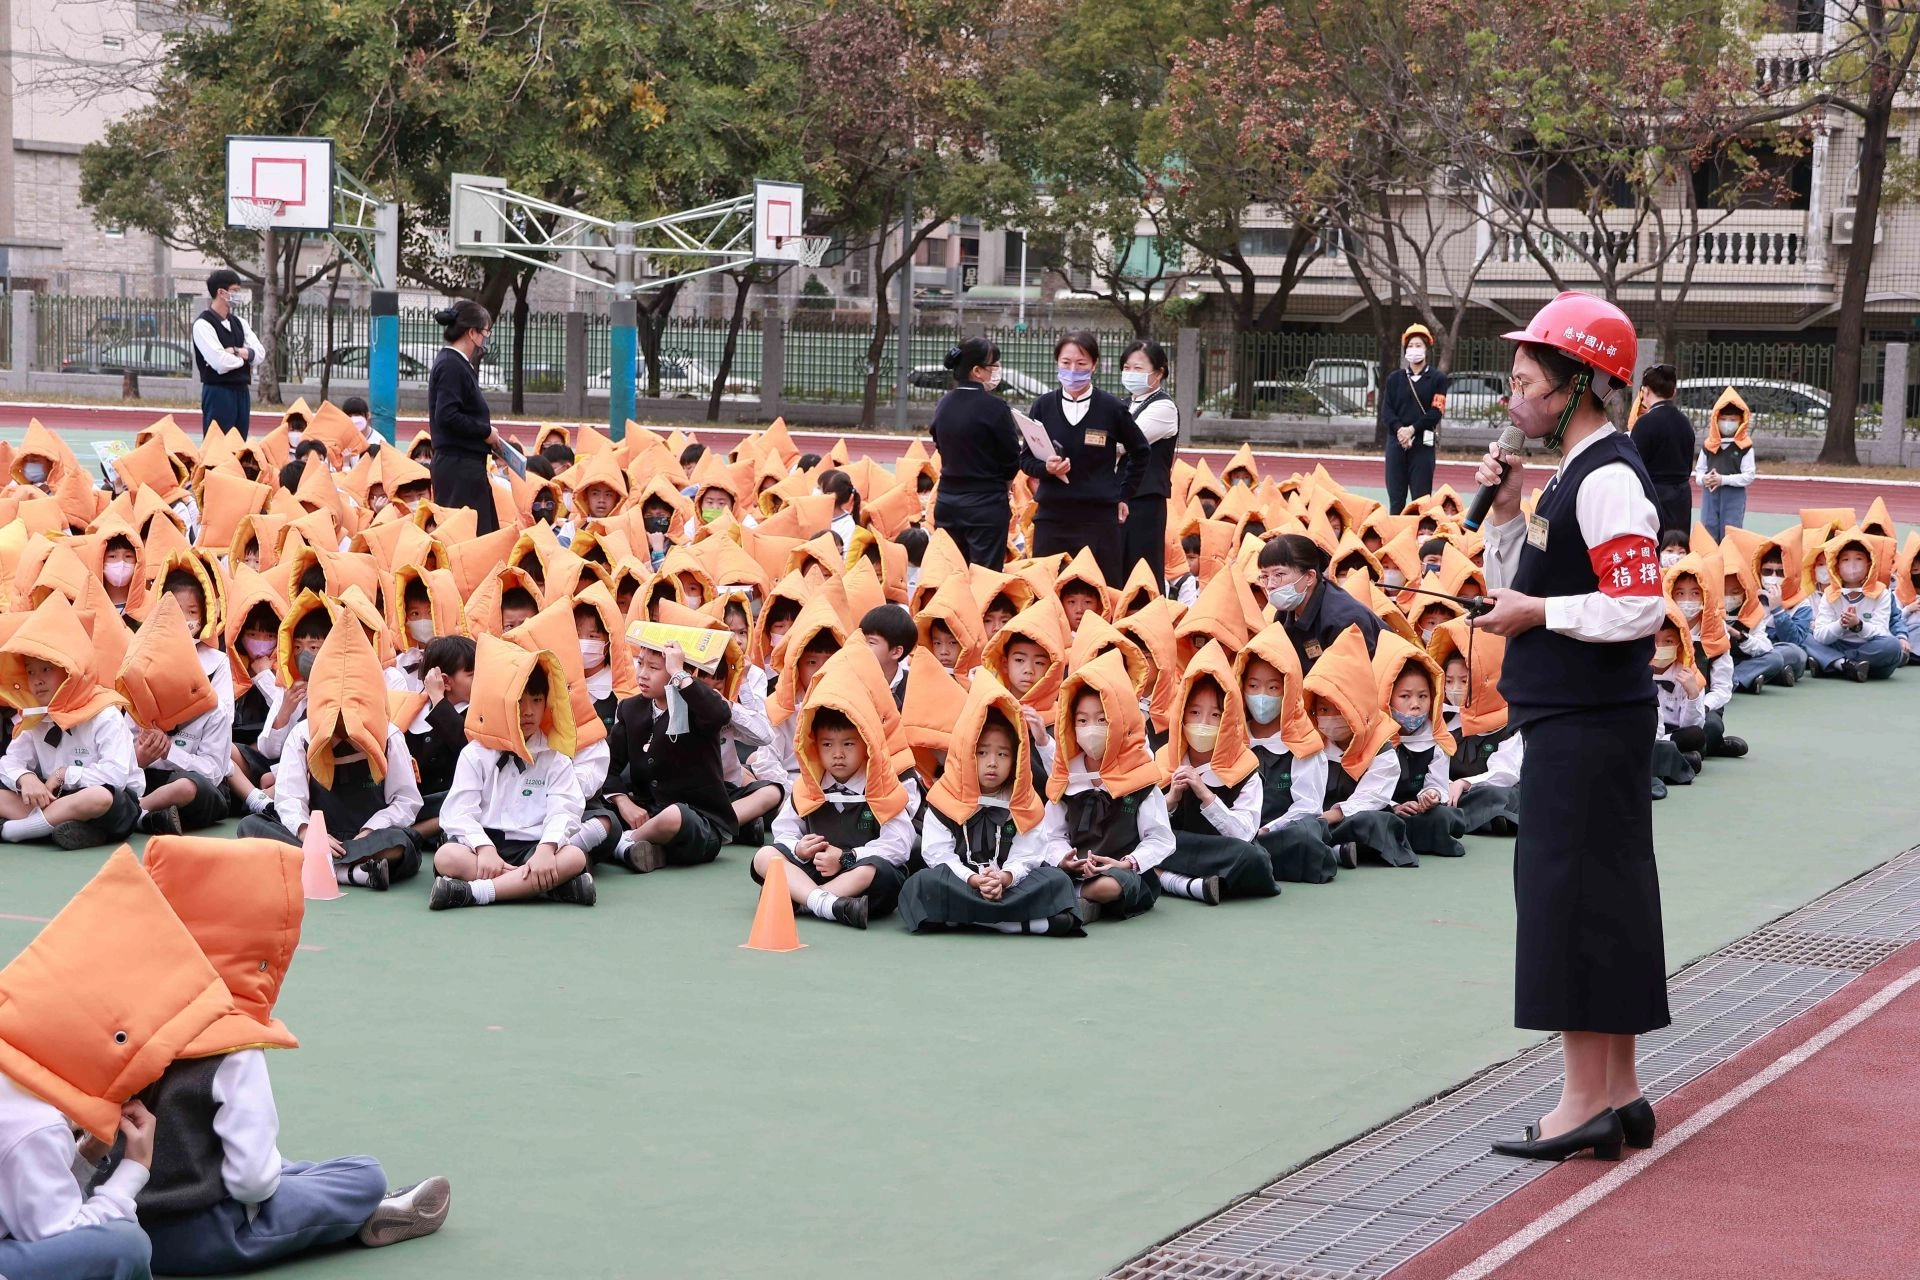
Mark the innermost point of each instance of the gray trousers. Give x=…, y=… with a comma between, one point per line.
x=110, y=1251
x=316, y=1205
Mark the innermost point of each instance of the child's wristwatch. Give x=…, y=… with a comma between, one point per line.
x=846, y=861
x=681, y=680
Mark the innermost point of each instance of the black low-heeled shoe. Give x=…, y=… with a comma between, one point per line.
x=1637, y=1123
x=1602, y=1134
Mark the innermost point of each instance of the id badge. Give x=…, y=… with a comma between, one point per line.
x=1313, y=648
x=1537, y=532
x=1096, y=440
x=1429, y=438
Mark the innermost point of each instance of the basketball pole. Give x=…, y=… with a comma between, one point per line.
x=383, y=342
x=623, y=342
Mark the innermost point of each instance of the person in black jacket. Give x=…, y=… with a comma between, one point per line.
x=1081, y=500
x=1664, y=438
x=458, y=419
x=1293, y=574
x=1411, y=404
x=979, y=450
x=438, y=733
x=1143, y=372
x=665, y=779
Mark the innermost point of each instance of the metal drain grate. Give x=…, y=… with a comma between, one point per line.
x=1791, y=947
x=1373, y=1204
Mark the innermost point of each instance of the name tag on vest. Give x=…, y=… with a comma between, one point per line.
x=1313, y=648
x=1096, y=439
x=1537, y=532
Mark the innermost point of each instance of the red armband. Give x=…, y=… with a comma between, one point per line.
x=1627, y=566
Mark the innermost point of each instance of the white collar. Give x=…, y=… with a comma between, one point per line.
x=1606, y=429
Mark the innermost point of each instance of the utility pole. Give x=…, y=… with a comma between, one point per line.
x=904, y=340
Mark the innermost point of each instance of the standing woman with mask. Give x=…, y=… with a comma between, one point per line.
x=1411, y=403
x=1143, y=372
x=458, y=419
x=979, y=450
x=1085, y=488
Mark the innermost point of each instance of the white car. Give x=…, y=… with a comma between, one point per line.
x=682, y=378
x=1476, y=395
x=1356, y=381
x=1792, y=408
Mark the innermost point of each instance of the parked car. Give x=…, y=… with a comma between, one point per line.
x=156, y=357
x=1793, y=408
x=1356, y=381
x=1020, y=388
x=682, y=377
x=350, y=365
x=1277, y=398
x=1476, y=394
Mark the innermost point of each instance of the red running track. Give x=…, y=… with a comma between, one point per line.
x=1811, y=1176
x=1780, y=494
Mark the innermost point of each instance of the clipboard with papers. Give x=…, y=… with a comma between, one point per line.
x=1035, y=436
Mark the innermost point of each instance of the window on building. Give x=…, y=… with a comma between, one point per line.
x=112, y=42
x=114, y=233
x=1722, y=181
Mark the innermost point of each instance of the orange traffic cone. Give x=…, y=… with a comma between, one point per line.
x=316, y=862
x=773, y=927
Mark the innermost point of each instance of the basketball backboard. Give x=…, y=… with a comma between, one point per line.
x=779, y=221
x=474, y=220
x=280, y=183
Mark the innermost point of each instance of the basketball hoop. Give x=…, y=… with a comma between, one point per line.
x=813, y=249
x=257, y=214
x=439, y=243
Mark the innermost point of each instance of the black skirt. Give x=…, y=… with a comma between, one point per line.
x=460, y=480
x=1589, y=952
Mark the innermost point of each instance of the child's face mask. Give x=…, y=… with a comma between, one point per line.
x=1333, y=727
x=420, y=630
x=1668, y=559
x=1457, y=693
x=1092, y=740
x=1263, y=708
x=1203, y=737
x=1689, y=609
x=1664, y=654
x=1736, y=601
x=1821, y=576
x=1771, y=584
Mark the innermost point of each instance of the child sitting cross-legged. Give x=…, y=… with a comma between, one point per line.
x=512, y=815
x=667, y=784
x=183, y=738
x=844, y=835
x=1410, y=683
x=1360, y=767
x=1213, y=789
x=1487, y=753
x=1106, y=823
x=985, y=855
x=1288, y=748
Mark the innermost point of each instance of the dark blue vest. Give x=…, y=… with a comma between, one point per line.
x=1546, y=672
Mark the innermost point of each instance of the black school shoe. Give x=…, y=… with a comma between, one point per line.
x=160, y=822
x=1856, y=669
x=579, y=891
x=1064, y=924
x=375, y=874
x=448, y=893
x=1733, y=747
x=851, y=912
x=1659, y=789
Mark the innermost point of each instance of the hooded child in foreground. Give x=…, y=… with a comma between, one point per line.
x=1212, y=780
x=1484, y=782
x=1358, y=764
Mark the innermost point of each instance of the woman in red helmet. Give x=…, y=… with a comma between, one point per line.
x=1578, y=598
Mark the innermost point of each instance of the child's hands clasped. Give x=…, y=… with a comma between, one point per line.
x=138, y=1124
x=992, y=885
x=35, y=792
x=489, y=865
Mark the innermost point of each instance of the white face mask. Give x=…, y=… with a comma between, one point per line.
x=1416, y=353
x=1821, y=576
x=1689, y=609
x=1093, y=742
x=1668, y=559
x=1392, y=578
x=119, y=573
x=1771, y=584
x=1133, y=380
x=1735, y=603
x=420, y=630
x=593, y=652
x=358, y=420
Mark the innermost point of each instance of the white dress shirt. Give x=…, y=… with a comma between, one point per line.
x=292, y=798
x=1503, y=766
x=247, y=1123
x=1308, y=793
x=1375, y=788
x=894, y=843
x=540, y=802
x=204, y=745
x=1678, y=708
x=218, y=358
x=1703, y=466
x=40, y=1193
x=590, y=766
x=1876, y=616
x=1154, y=824
x=1158, y=420
x=1439, y=770
x=1610, y=505
x=95, y=753
x=1027, y=851
x=1241, y=820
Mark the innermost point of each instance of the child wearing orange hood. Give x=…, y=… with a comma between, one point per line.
x=1853, y=614
x=1360, y=768
x=1214, y=793
x=1725, y=468
x=1292, y=780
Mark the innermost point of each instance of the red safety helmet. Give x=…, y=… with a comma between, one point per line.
x=1591, y=330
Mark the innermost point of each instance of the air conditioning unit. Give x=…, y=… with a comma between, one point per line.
x=856, y=277
x=1843, y=227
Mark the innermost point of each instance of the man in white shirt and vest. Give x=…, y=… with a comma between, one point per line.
x=225, y=352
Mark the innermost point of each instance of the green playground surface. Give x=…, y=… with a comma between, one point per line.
x=623, y=1091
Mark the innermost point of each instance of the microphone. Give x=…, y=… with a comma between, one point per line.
x=1510, y=443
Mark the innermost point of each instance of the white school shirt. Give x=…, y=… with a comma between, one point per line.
x=540, y=802
x=1876, y=617
x=218, y=669
x=203, y=745
x=1158, y=420
x=95, y=753
x=218, y=358
x=1152, y=819
x=1376, y=786
x=1074, y=410
x=1702, y=466
x=747, y=724
x=590, y=766
x=1756, y=644
x=1678, y=709
x=1610, y=505
x=1309, y=790
x=405, y=673
x=247, y=1123
x=1439, y=771
x=1503, y=766
x=1027, y=851
x=40, y=1191
x=843, y=524
x=1241, y=820
x=894, y=842
x=292, y=797
x=600, y=683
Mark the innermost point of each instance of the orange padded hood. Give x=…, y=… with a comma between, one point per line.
x=346, y=694
x=105, y=998
x=161, y=678
x=1393, y=657
x=954, y=607
x=1043, y=623
x=1233, y=757
x=241, y=900
x=1128, y=764
x=54, y=633
x=1343, y=677
x=818, y=615
x=929, y=710
x=1152, y=630
x=552, y=631
x=1730, y=401
x=957, y=793
x=1271, y=646
x=841, y=687
x=500, y=674
x=1484, y=653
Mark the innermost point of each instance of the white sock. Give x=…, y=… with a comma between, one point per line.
x=1006, y=926
x=32, y=827
x=592, y=832
x=482, y=892
x=258, y=801
x=343, y=874
x=624, y=844
x=1037, y=926
x=1179, y=885
x=820, y=902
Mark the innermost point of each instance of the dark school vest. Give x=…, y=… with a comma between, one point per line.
x=982, y=841
x=605, y=709
x=1473, y=752
x=1158, y=481
x=1544, y=671
x=1188, y=817
x=1276, y=782
x=847, y=828
x=185, y=1176
x=1727, y=460
x=350, y=801
x=250, y=712
x=1340, y=786
x=231, y=334
x=1413, y=772
x=1104, y=824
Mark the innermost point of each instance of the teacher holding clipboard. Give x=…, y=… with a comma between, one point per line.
x=1081, y=498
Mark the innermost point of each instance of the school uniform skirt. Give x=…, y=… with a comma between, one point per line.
x=1244, y=868
x=935, y=896
x=1589, y=952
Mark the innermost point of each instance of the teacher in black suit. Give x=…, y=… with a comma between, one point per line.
x=979, y=450
x=460, y=424
x=1081, y=498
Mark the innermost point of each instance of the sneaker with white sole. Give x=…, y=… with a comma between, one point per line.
x=579, y=891
x=408, y=1214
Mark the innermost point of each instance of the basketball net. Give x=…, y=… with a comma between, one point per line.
x=808, y=251
x=257, y=214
